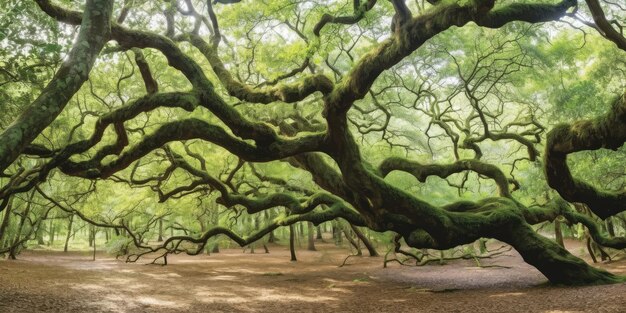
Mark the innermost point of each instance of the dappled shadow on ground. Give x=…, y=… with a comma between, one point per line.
x=235, y=282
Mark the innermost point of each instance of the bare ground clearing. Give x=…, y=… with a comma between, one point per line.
x=235, y=282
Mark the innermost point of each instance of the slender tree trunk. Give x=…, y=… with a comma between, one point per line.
x=41, y=228
x=337, y=234
x=94, y=243
x=310, y=230
x=160, y=239
x=5, y=221
x=352, y=242
x=610, y=227
x=368, y=244
x=69, y=232
x=90, y=236
x=590, y=249
x=16, y=241
x=52, y=233
x=272, y=237
x=292, y=247
x=319, y=232
x=558, y=233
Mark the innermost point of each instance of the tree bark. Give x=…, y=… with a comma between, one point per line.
x=160, y=239
x=310, y=234
x=558, y=233
x=368, y=244
x=94, y=33
x=5, y=221
x=352, y=242
x=69, y=233
x=292, y=248
x=16, y=241
x=52, y=232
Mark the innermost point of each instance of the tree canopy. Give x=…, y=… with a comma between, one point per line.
x=444, y=121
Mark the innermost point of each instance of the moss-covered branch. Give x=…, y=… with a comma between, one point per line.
x=292, y=92
x=607, y=131
x=604, y=26
x=195, y=129
x=176, y=58
x=359, y=12
x=317, y=216
x=94, y=33
x=419, y=29
x=423, y=171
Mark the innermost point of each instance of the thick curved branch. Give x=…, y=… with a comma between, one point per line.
x=595, y=231
x=359, y=13
x=94, y=33
x=418, y=30
x=196, y=129
x=607, y=131
x=172, y=244
x=422, y=171
x=605, y=27
x=282, y=92
x=144, y=68
x=186, y=101
x=176, y=58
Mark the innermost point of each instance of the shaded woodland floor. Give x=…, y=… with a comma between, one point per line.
x=231, y=281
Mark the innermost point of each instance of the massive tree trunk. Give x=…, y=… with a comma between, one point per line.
x=553, y=261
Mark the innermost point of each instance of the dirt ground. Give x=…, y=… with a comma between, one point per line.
x=232, y=281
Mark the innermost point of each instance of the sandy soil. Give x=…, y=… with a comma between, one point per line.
x=235, y=282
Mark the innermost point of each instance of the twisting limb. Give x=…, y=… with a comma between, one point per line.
x=607, y=131
x=595, y=230
x=282, y=92
x=422, y=171
x=419, y=29
x=76, y=212
x=604, y=26
x=117, y=117
x=359, y=12
x=173, y=244
x=144, y=68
